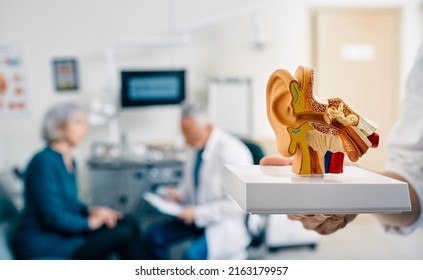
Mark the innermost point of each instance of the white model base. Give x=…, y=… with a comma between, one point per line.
x=276, y=190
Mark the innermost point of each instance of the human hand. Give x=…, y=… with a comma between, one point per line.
x=187, y=214
x=108, y=216
x=276, y=161
x=172, y=194
x=95, y=222
x=323, y=223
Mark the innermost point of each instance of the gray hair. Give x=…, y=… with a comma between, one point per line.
x=58, y=116
x=195, y=111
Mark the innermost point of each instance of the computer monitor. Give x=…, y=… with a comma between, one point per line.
x=147, y=88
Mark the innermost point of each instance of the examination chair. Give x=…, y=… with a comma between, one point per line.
x=9, y=215
x=255, y=150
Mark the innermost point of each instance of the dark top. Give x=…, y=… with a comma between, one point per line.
x=198, y=162
x=54, y=221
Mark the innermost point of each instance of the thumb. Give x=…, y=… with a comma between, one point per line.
x=276, y=161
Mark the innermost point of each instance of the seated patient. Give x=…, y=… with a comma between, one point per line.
x=211, y=219
x=54, y=223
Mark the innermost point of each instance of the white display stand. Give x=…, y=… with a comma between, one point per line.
x=276, y=190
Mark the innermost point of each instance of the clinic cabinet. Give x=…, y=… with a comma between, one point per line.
x=120, y=184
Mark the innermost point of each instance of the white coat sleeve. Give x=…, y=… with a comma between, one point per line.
x=215, y=211
x=212, y=212
x=405, y=143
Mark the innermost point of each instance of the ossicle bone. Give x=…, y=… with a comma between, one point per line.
x=339, y=115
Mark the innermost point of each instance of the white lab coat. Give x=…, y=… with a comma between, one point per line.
x=222, y=218
x=405, y=143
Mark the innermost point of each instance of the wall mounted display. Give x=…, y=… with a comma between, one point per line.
x=66, y=74
x=152, y=88
x=13, y=85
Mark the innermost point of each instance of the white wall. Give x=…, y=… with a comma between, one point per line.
x=85, y=28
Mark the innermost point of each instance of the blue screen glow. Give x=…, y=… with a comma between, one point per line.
x=153, y=88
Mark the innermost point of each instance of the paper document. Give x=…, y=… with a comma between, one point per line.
x=164, y=206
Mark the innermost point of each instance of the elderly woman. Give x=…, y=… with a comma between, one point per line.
x=55, y=224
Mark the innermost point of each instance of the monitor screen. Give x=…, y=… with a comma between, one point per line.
x=144, y=88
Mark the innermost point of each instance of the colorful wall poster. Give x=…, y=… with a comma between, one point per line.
x=13, y=85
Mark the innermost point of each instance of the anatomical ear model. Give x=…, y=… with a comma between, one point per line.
x=316, y=132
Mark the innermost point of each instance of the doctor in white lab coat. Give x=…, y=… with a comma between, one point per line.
x=405, y=163
x=212, y=218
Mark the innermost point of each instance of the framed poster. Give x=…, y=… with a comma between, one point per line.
x=13, y=85
x=66, y=74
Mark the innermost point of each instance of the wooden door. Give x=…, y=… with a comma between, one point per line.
x=355, y=54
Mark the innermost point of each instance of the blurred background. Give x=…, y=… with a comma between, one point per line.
x=52, y=51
